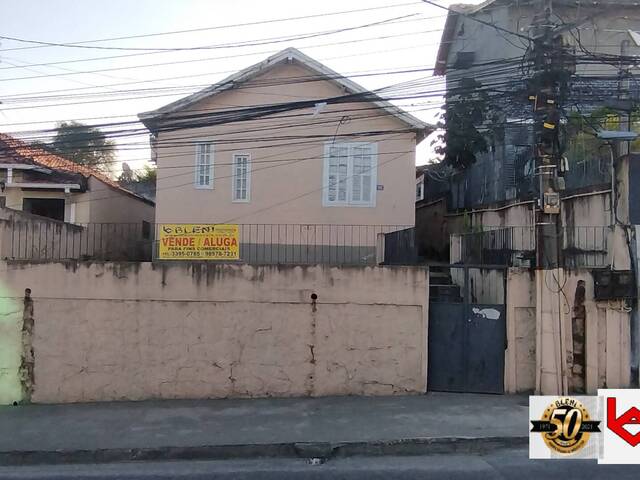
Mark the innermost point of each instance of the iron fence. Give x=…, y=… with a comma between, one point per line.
x=495, y=246
x=400, y=247
x=259, y=243
x=43, y=240
x=585, y=246
x=579, y=246
x=306, y=244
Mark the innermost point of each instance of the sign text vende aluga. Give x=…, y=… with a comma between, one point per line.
x=198, y=242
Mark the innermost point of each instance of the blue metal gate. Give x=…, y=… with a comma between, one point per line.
x=467, y=329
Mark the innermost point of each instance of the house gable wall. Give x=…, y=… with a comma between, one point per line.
x=287, y=166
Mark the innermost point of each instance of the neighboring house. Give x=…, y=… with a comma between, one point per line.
x=500, y=188
x=470, y=49
x=41, y=183
x=286, y=142
x=431, y=232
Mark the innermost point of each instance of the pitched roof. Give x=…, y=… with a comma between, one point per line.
x=288, y=54
x=25, y=153
x=448, y=33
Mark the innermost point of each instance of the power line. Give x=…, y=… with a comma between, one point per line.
x=20, y=95
x=221, y=27
x=248, y=43
x=290, y=80
x=298, y=197
x=306, y=78
x=283, y=163
x=111, y=57
x=251, y=54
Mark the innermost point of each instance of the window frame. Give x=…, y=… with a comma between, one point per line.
x=420, y=183
x=374, y=175
x=233, y=178
x=196, y=180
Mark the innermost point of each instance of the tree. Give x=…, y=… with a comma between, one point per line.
x=148, y=174
x=465, y=111
x=582, y=145
x=84, y=145
x=142, y=182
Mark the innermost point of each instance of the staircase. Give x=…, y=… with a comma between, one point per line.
x=441, y=286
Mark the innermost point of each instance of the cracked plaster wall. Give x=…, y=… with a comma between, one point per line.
x=131, y=332
x=11, y=312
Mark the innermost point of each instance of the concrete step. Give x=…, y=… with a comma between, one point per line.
x=450, y=293
x=440, y=278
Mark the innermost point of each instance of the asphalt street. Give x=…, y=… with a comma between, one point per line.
x=503, y=464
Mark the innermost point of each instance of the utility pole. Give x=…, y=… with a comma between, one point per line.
x=554, y=65
x=547, y=91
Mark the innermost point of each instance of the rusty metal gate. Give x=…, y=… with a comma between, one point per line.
x=467, y=329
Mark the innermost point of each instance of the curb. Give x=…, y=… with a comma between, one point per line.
x=324, y=450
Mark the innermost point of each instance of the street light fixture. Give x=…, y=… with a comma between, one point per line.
x=617, y=135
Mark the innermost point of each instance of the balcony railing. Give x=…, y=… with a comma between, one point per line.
x=579, y=246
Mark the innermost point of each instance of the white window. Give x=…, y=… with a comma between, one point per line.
x=204, y=165
x=420, y=188
x=241, y=184
x=350, y=171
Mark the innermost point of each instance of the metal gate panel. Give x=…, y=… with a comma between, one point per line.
x=466, y=341
x=446, y=355
x=485, y=345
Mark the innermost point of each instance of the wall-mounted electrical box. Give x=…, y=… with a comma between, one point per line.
x=551, y=202
x=613, y=284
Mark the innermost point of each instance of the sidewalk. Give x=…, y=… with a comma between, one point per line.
x=306, y=427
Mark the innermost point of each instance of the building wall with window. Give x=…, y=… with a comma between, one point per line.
x=270, y=171
x=101, y=204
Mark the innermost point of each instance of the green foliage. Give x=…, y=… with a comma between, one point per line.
x=465, y=113
x=142, y=182
x=582, y=144
x=84, y=145
x=147, y=174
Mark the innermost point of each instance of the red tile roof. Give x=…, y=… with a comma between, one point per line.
x=33, y=155
x=46, y=159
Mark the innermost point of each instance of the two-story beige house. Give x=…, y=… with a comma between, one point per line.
x=294, y=152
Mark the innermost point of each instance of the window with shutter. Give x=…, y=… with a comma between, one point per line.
x=241, y=184
x=338, y=171
x=350, y=174
x=204, y=165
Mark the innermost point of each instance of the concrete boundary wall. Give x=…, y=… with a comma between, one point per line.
x=121, y=331
x=544, y=308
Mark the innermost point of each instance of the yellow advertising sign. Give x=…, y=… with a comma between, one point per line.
x=198, y=242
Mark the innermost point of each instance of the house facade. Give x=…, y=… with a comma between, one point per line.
x=286, y=142
x=38, y=182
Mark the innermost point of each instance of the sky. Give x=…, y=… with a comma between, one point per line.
x=88, y=84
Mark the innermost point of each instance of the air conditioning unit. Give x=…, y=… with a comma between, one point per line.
x=613, y=284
